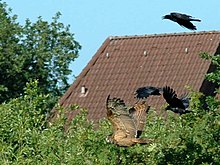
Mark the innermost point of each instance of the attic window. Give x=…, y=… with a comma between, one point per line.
x=107, y=55
x=83, y=91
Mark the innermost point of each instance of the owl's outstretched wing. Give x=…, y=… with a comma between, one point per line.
x=118, y=115
x=139, y=113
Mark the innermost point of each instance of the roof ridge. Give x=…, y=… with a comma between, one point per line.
x=162, y=34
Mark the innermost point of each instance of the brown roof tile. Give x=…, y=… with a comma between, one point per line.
x=122, y=64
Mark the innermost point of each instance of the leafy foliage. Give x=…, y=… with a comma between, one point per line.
x=27, y=138
x=39, y=50
x=215, y=59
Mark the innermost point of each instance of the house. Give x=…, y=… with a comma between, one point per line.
x=124, y=63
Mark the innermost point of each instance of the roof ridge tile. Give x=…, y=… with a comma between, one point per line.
x=162, y=35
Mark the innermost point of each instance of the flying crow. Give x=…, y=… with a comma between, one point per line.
x=182, y=20
x=177, y=105
x=144, y=92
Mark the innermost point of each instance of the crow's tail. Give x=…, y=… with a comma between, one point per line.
x=196, y=20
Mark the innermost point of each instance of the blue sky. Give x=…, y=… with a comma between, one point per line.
x=93, y=21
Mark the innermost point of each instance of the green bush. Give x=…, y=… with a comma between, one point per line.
x=27, y=138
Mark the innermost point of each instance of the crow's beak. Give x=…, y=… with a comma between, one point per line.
x=163, y=17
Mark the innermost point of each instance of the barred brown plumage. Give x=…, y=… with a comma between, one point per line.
x=127, y=124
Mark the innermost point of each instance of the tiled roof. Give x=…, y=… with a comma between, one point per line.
x=122, y=64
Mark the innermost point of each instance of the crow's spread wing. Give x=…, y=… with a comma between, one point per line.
x=185, y=100
x=171, y=98
x=186, y=24
x=181, y=16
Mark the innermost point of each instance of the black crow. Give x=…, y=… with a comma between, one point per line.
x=144, y=92
x=182, y=20
x=177, y=105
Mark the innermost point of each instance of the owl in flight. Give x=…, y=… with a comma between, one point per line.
x=128, y=123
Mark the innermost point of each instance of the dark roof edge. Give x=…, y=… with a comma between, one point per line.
x=84, y=71
x=162, y=34
x=208, y=88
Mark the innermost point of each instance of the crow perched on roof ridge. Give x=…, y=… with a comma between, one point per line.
x=145, y=92
x=182, y=20
x=177, y=105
